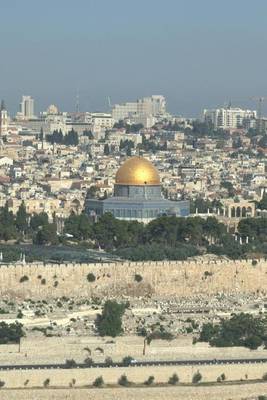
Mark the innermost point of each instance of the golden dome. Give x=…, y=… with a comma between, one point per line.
x=137, y=171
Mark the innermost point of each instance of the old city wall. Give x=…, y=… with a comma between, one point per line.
x=177, y=279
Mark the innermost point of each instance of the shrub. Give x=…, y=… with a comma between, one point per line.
x=19, y=314
x=150, y=380
x=43, y=281
x=174, y=379
x=160, y=334
x=207, y=273
x=98, y=382
x=127, y=360
x=2, y=383
x=88, y=361
x=70, y=363
x=264, y=377
x=26, y=382
x=73, y=381
x=108, y=361
x=90, y=277
x=194, y=341
x=197, y=377
x=46, y=382
x=24, y=278
x=138, y=278
x=123, y=381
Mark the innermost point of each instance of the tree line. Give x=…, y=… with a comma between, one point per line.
x=168, y=237
x=173, y=238
x=21, y=225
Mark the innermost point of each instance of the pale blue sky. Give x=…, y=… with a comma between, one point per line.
x=198, y=53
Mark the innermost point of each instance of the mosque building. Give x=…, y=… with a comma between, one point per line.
x=137, y=195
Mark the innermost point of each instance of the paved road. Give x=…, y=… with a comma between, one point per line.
x=138, y=364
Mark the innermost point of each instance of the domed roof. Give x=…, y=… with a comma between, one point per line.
x=137, y=171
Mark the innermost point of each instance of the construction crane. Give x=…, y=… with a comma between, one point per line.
x=109, y=102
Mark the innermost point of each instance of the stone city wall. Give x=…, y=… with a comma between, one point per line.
x=176, y=278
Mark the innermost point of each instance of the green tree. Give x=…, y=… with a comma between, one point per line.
x=71, y=138
x=70, y=363
x=98, y=382
x=7, y=224
x=127, y=360
x=22, y=218
x=106, y=150
x=123, y=381
x=262, y=204
x=150, y=380
x=38, y=221
x=197, y=377
x=91, y=192
x=229, y=187
x=11, y=333
x=46, y=235
x=174, y=379
x=110, y=322
x=240, y=330
x=79, y=226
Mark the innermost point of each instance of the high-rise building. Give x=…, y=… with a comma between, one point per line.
x=229, y=117
x=27, y=107
x=148, y=106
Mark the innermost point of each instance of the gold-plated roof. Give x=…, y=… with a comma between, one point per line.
x=137, y=171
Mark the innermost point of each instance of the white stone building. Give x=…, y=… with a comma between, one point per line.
x=228, y=118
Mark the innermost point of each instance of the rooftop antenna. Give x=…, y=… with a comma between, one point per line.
x=77, y=103
x=3, y=106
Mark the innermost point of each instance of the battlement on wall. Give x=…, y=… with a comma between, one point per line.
x=195, y=277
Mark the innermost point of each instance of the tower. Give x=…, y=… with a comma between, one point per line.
x=27, y=107
x=3, y=119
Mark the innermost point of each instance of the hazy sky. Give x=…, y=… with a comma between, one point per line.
x=198, y=53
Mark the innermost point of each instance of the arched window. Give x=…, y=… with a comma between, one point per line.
x=232, y=212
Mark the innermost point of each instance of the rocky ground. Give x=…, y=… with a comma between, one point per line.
x=76, y=316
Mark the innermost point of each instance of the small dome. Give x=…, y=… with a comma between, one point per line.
x=137, y=171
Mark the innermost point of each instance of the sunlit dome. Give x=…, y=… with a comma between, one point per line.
x=137, y=171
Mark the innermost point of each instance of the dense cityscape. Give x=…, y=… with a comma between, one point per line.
x=133, y=200
x=213, y=169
